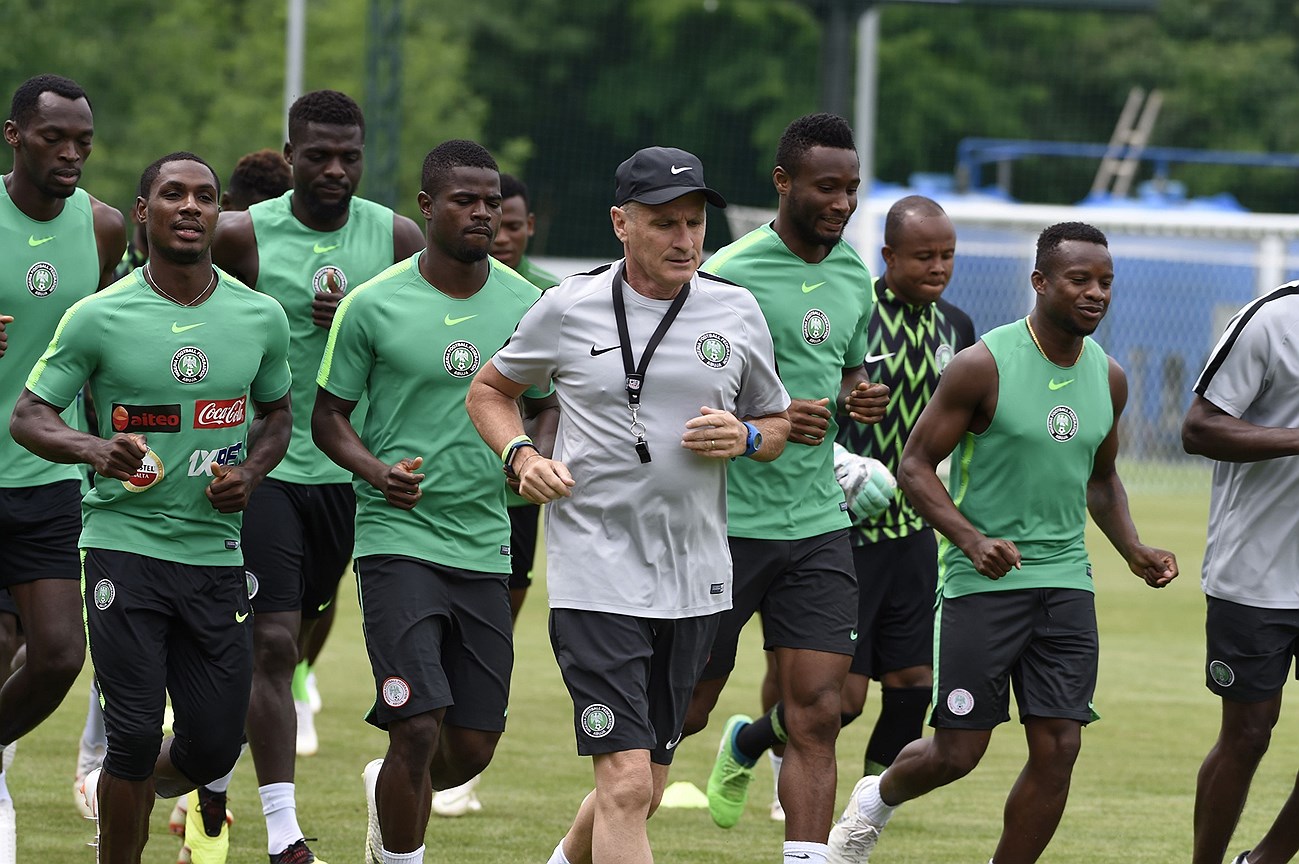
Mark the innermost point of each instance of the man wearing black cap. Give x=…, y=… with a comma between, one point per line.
x=638, y=482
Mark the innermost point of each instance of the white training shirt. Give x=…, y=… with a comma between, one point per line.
x=647, y=540
x=1252, y=553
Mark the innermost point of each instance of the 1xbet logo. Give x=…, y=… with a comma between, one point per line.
x=200, y=461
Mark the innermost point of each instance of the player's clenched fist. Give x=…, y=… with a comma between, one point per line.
x=120, y=457
x=400, y=486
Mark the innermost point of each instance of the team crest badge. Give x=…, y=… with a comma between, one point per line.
x=42, y=279
x=329, y=278
x=960, y=702
x=250, y=579
x=597, y=720
x=713, y=349
x=461, y=359
x=105, y=593
x=1221, y=674
x=396, y=692
x=816, y=327
x=942, y=356
x=189, y=365
x=1062, y=423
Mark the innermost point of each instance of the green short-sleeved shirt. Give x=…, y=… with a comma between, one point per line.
x=414, y=351
x=182, y=377
x=818, y=315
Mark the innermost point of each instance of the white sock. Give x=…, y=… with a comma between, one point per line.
x=558, y=857
x=802, y=850
x=872, y=806
x=93, y=735
x=4, y=786
x=281, y=812
x=776, y=762
x=416, y=857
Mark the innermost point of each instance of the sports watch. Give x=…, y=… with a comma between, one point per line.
x=754, y=441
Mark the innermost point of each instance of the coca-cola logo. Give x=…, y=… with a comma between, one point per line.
x=145, y=418
x=219, y=413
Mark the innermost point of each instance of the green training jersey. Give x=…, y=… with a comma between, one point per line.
x=817, y=314
x=908, y=348
x=45, y=267
x=1024, y=478
x=295, y=262
x=182, y=377
x=413, y=351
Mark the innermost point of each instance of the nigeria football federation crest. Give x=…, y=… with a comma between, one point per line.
x=329, y=278
x=816, y=326
x=1062, y=423
x=189, y=365
x=597, y=720
x=42, y=279
x=105, y=593
x=713, y=349
x=1221, y=674
x=461, y=359
x=396, y=692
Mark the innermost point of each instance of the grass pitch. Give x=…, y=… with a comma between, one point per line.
x=1131, y=798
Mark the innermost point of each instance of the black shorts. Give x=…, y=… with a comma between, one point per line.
x=806, y=591
x=438, y=637
x=1040, y=640
x=40, y=527
x=523, y=544
x=297, y=540
x=1250, y=649
x=630, y=678
x=896, y=582
x=157, y=628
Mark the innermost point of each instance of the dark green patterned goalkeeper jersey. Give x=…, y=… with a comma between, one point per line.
x=908, y=348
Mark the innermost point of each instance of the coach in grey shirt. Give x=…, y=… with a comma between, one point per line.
x=664, y=374
x=1245, y=415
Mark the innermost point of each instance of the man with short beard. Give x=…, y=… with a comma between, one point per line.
x=432, y=545
x=305, y=249
x=57, y=245
x=164, y=597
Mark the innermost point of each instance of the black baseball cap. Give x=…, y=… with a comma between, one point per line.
x=657, y=175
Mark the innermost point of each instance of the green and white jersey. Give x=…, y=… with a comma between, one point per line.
x=1025, y=477
x=414, y=351
x=295, y=262
x=908, y=348
x=45, y=267
x=544, y=280
x=182, y=377
x=817, y=314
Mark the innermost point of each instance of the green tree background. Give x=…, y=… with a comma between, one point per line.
x=562, y=90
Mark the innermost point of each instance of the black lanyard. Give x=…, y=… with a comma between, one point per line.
x=635, y=372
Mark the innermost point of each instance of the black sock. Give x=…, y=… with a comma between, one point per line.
x=212, y=807
x=901, y=721
x=762, y=734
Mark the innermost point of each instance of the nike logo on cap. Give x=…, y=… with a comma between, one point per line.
x=451, y=322
x=875, y=358
x=320, y=250
x=1056, y=385
x=32, y=241
x=177, y=328
x=596, y=352
x=675, y=170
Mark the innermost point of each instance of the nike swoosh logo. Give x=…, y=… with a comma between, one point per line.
x=674, y=742
x=875, y=358
x=798, y=856
x=808, y=289
x=676, y=170
x=451, y=322
x=32, y=241
x=853, y=635
x=176, y=328
x=597, y=352
x=240, y=617
x=323, y=606
x=320, y=250
x=1054, y=385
